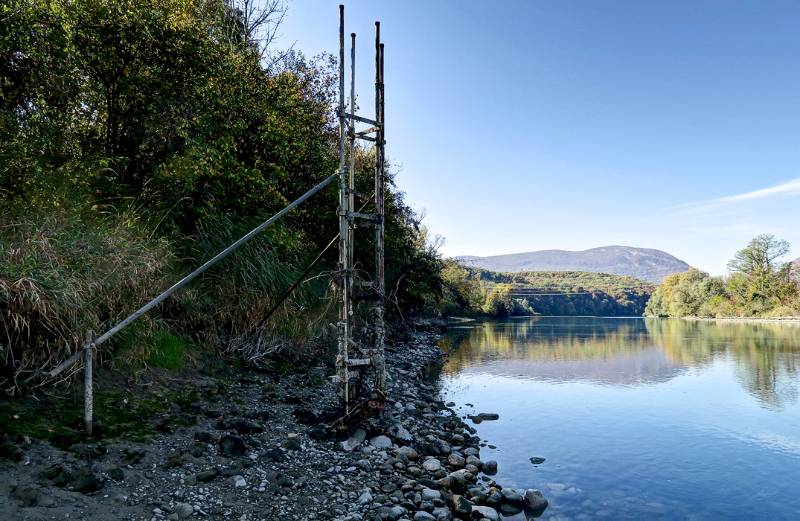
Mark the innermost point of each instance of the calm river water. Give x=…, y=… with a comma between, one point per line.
x=637, y=418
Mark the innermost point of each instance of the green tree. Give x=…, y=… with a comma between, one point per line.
x=759, y=256
x=758, y=285
x=174, y=117
x=684, y=294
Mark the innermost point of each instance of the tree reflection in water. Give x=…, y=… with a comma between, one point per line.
x=630, y=351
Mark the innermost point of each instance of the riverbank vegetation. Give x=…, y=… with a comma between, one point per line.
x=477, y=292
x=139, y=138
x=759, y=285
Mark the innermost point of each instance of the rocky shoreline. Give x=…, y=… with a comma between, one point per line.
x=260, y=450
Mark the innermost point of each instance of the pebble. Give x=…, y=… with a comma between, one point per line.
x=432, y=465
x=381, y=442
x=486, y=513
x=421, y=461
x=183, y=510
x=489, y=467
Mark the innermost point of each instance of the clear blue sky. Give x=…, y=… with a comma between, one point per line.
x=525, y=125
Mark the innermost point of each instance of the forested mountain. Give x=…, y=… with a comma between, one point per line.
x=641, y=263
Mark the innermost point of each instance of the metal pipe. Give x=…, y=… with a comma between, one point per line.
x=344, y=268
x=193, y=275
x=218, y=257
x=361, y=119
x=88, y=386
x=352, y=153
x=299, y=280
x=380, y=173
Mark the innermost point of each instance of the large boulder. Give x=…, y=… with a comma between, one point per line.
x=381, y=442
x=461, y=506
x=26, y=495
x=489, y=467
x=429, y=494
x=456, y=460
x=400, y=433
x=485, y=513
x=432, y=464
x=356, y=439
x=207, y=475
x=407, y=453
x=457, y=481
x=231, y=446
x=512, y=497
x=86, y=481
x=183, y=510
x=535, y=502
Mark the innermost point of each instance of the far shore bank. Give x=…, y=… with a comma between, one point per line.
x=751, y=320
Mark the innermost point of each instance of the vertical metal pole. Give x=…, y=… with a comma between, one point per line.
x=380, y=365
x=352, y=151
x=88, y=397
x=344, y=267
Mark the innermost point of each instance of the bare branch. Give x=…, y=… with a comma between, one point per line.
x=255, y=23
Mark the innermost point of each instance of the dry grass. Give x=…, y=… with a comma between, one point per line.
x=64, y=271
x=242, y=290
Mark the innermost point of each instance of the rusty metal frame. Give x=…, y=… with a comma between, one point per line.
x=345, y=272
x=373, y=356
x=349, y=368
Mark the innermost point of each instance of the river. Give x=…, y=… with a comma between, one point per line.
x=636, y=418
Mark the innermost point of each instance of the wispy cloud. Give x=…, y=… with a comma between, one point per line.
x=789, y=188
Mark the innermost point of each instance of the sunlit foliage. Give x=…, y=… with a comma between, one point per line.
x=145, y=136
x=758, y=286
x=474, y=291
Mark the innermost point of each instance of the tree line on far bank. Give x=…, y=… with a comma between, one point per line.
x=759, y=285
x=469, y=291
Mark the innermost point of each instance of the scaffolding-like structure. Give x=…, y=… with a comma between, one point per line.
x=360, y=363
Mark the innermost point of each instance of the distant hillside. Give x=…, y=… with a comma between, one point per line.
x=794, y=272
x=478, y=292
x=570, y=292
x=641, y=263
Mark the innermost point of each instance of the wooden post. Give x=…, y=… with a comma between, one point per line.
x=88, y=397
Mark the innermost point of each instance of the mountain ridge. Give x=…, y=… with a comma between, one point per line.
x=643, y=263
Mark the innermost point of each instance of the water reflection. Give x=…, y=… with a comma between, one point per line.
x=637, y=419
x=630, y=351
x=766, y=354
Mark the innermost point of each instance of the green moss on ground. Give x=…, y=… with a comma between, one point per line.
x=120, y=415
x=168, y=351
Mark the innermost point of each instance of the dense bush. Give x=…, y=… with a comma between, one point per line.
x=758, y=286
x=137, y=139
x=67, y=270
